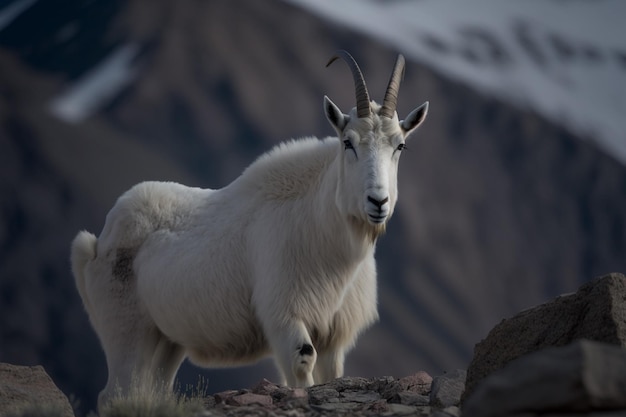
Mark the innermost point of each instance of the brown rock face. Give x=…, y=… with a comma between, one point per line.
x=581, y=377
x=597, y=311
x=24, y=387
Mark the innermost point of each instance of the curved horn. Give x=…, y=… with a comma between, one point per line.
x=362, y=96
x=391, y=95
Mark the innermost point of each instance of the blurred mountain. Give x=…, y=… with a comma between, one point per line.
x=563, y=59
x=500, y=207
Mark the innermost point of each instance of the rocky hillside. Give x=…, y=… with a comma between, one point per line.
x=499, y=209
x=580, y=367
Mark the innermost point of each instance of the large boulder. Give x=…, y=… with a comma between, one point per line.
x=28, y=387
x=596, y=312
x=582, y=377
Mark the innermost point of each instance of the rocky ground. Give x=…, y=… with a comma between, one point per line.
x=564, y=358
x=418, y=394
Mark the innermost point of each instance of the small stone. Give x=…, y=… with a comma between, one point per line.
x=321, y=395
x=410, y=398
x=380, y=383
x=349, y=383
x=249, y=398
x=281, y=393
x=452, y=410
x=335, y=407
x=295, y=398
x=446, y=390
x=299, y=393
x=401, y=410
x=390, y=390
x=265, y=387
x=419, y=382
x=221, y=397
x=378, y=407
x=456, y=412
x=360, y=396
x=291, y=412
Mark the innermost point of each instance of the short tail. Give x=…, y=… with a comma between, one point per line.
x=83, y=251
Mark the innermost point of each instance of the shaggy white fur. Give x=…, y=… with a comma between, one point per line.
x=281, y=261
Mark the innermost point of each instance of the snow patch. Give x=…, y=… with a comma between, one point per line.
x=563, y=59
x=97, y=87
x=13, y=10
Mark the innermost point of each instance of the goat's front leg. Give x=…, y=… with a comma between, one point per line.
x=329, y=366
x=294, y=354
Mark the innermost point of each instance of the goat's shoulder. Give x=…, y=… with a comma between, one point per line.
x=291, y=168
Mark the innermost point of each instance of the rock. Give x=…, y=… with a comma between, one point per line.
x=336, y=407
x=390, y=390
x=298, y=393
x=452, y=411
x=447, y=389
x=596, y=312
x=349, y=383
x=321, y=394
x=582, y=377
x=249, y=398
x=410, y=398
x=281, y=394
x=265, y=387
x=29, y=387
x=420, y=383
x=377, y=384
x=378, y=407
x=359, y=397
x=221, y=397
x=405, y=410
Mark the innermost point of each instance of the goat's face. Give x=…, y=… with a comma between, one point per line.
x=371, y=141
x=370, y=150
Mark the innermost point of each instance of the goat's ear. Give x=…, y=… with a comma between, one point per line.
x=414, y=119
x=337, y=119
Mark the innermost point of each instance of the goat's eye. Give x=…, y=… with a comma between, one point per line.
x=401, y=147
x=347, y=144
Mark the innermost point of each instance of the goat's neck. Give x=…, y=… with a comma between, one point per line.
x=343, y=232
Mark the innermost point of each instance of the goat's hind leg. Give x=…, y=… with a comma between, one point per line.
x=166, y=360
x=125, y=363
x=145, y=366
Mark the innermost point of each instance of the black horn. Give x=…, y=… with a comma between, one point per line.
x=362, y=96
x=391, y=95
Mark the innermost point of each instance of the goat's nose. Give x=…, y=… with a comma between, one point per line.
x=376, y=202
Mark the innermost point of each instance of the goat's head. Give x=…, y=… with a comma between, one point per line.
x=372, y=138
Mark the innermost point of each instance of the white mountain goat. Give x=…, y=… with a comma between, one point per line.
x=280, y=262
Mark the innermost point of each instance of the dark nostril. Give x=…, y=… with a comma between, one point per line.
x=377, y=203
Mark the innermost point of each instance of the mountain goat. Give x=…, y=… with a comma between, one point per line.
x=280, y=262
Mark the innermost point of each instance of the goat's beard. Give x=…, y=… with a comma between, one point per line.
x=368, y=230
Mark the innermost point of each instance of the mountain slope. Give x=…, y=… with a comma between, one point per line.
x=564, y=60
x=499, y=208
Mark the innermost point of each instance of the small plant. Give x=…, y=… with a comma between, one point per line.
x=156, y=401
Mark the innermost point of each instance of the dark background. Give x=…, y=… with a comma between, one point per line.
x=499, y=209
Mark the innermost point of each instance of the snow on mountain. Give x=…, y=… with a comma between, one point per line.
x=98, y=86
x=563, y=59
x=13, y=10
